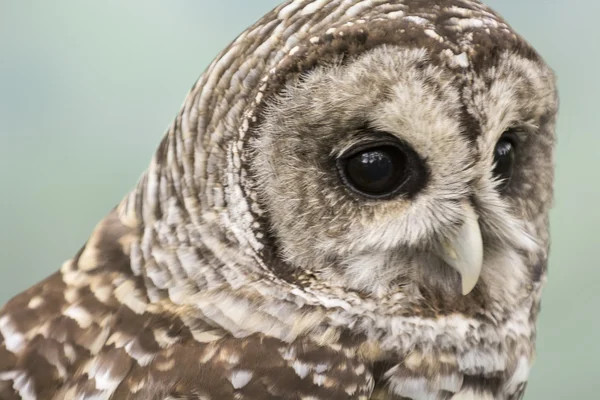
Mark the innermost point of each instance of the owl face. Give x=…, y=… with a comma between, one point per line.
x=399, y=170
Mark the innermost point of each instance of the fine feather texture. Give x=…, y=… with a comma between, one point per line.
x=241, y=267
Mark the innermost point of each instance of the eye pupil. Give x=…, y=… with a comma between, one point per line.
x=504, y=159
x=382, y=170
x=376, y=172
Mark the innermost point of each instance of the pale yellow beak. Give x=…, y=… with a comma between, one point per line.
x=464, y=252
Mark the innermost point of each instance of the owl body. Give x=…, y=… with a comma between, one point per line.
x=351, y=204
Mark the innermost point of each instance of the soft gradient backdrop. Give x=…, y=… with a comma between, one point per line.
x=88, y=88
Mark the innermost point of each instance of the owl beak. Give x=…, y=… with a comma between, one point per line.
x=464, y=252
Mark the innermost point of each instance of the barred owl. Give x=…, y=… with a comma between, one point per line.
x=352, y=203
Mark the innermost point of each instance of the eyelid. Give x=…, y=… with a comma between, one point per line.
x=518, y=130
x=512, y=134
x=361, y=147
x=364, y=142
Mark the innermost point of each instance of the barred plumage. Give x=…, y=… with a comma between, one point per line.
x=242, y=266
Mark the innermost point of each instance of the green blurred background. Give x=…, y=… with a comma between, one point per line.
x=88, y=88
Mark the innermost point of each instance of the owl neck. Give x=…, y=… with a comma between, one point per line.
x=173, y=268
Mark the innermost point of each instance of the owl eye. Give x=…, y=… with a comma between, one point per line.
x=504, y=160
x=380, y=171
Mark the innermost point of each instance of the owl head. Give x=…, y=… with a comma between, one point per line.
x=404, y=168
x=422, y=165
x=388, y=149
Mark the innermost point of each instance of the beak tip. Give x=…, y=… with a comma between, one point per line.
x=468, y=286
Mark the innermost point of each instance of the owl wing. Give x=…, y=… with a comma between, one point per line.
x=90, y=331
x=50, y=349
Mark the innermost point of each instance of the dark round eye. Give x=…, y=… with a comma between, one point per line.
x=379, y=171
x=504, y=160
